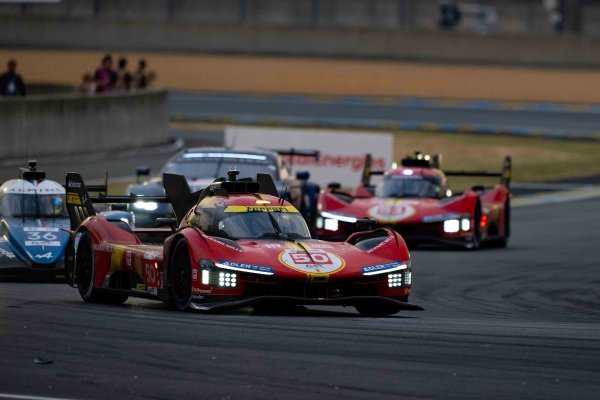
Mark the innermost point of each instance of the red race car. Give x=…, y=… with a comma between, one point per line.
x=235, y=243
x=414, y=200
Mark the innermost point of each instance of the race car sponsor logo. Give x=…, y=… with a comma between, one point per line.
x=73, y=199
x=317, y=246
x=391, y=211
x=381, y=268
x=240, y=209
x=273, y=245
x=300, y=245
x=47, y=255
x=7, y=253
x=223, y=243
x=52, y=243
x=151, y=255
x=247, y=267
x=96, y=247
x=204, y=291
x=39, y=229
x=312, y=262
x=380, y=245
x=73, y=184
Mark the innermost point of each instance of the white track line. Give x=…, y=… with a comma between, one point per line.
x=25, y=397
x=582, y=193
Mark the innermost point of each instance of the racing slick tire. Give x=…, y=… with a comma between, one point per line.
x=369, y=310
x=502, y=242
x=476, y=240
x=180, y=276
x=84, y=270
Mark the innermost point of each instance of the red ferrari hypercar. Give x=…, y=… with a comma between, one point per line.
x=414, y=200
x=236, y=243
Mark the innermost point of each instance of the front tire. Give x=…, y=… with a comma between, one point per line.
x=180, y=276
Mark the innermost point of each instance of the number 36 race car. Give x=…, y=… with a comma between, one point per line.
x=33, y=226
x=235, y=243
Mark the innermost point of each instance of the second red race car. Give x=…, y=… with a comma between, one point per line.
x=236, y=243
x=415, y=201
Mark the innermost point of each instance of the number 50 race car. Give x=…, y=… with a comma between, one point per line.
x=233, y=244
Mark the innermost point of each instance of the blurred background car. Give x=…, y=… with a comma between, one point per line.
x=201, y=166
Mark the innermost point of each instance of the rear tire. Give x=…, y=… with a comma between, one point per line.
x=85, y=272
x=503, y=241
x=180, y=276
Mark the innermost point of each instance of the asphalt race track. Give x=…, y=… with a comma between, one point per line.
x=521, y=322
x=359, y=111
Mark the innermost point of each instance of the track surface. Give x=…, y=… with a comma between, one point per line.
x=361, y=111
x=521, y=322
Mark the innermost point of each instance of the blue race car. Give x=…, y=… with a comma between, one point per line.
x=33, y=219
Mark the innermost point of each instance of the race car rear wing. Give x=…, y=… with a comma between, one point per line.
x=504, y=175
x=177, y=193
x=368, y=171
x=296, y=152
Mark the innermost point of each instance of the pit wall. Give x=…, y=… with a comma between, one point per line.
x=54, y=125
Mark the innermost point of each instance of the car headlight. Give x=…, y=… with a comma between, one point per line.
x=457, y=224
x=212, y=274
x=331, y=221
x=145, y=205
x=451, y=225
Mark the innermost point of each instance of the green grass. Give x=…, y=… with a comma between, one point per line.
x=534, y=159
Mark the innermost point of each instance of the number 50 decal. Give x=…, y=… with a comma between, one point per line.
x=320, y=262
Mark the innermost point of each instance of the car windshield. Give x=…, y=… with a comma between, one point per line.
x=408, y=186
x=207, y=168
x=33, y=205
x=241, y=222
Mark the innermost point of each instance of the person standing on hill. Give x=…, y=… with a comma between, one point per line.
x=105, y=76
x=142, y=77
x=123, y=76
x=11, y=83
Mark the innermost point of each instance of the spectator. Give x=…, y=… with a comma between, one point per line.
x=11, y=83
x=88, y=85
x=105, y=76
x=556, y=13
x=450, y=15
x=142, y=78
x=123, y=76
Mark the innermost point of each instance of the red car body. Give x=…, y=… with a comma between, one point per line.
x=204, y=264
x=431, y=216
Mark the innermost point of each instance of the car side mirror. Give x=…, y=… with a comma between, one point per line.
x=334, y=185
x=365, y=224
x=142, y=170
x=302, y=175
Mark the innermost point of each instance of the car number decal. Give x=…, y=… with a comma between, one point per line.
x=312, y=262
x=391, y=212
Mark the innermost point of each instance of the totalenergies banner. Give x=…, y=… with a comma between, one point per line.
x=342, y=153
